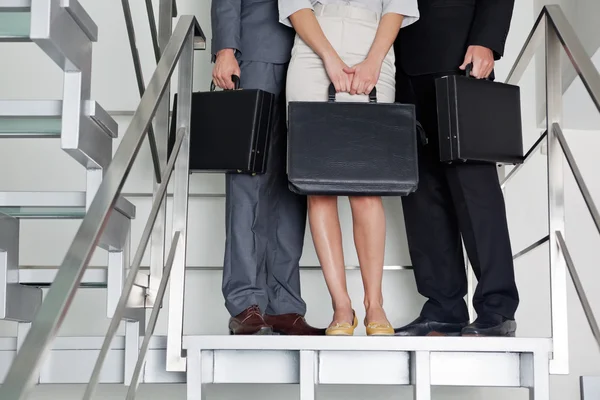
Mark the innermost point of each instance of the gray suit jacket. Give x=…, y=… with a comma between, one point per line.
x=252, y=28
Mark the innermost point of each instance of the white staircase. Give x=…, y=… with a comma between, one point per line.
x=64, y=31
x=79, y=125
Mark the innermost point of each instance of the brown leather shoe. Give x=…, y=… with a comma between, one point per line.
x=292, y=324
x=249, y=322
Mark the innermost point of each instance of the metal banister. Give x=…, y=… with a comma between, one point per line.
x=582, y=62
x=553, y=29
x=23, y=371
x=575, y=51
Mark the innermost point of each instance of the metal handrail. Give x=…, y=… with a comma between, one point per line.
x=553, y=29
x=23, y=371
x=570, y=42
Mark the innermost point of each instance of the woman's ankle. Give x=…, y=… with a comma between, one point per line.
x=374, y=312
x=344, y=305
x=375, y=303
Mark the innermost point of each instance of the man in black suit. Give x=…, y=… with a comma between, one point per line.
x=455, y=200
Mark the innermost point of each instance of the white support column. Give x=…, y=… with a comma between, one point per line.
x=590, y=387
x=421, y=375
x=308, y=375
x=132, y=347
x=17, y=302
x=535, y=375
x=22, y=329
x=195, y=386
x=114, y=280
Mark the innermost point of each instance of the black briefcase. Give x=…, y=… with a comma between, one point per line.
x=229, y=131
x=349, y=148
x=479, y=120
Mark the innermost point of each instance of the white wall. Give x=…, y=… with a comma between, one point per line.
x=26, y=73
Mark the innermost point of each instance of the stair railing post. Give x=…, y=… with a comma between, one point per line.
x=556, y=204
x=161, y=125
x=181, y=181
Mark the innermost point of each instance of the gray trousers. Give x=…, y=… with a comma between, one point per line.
x=265, y=220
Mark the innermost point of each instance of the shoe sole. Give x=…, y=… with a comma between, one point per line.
x=261, y=331
x=436, y=333
x=512, y=335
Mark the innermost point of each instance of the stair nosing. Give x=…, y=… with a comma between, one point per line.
x=365, y=343
x=15, y=5
x=67, y=199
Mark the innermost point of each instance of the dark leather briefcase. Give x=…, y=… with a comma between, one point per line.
x=479, y=120
x=229, y=131
x=349, y=148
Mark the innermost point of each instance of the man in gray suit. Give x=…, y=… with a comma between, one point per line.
x=265, y=221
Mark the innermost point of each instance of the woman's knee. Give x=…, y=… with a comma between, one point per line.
x=366, y=202
x=322, y=201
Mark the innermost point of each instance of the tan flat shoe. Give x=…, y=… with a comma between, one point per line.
x=378, y=329
x=342, y=329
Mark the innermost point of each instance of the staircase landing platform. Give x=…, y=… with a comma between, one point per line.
x=419, y=361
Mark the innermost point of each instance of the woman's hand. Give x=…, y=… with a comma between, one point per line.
x=335, y=68
x=364, y=75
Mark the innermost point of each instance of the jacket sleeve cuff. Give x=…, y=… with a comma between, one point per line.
x=492, y=41
x=491, y=25
x=215, y=50
x=289, y=7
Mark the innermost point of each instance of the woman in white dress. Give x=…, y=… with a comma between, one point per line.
x=347, y=43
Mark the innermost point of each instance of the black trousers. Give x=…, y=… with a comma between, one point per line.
x=455, y=200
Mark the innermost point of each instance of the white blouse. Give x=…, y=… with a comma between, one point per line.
x=408, y=8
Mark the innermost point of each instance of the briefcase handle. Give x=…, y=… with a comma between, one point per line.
x=234, y=78
x=469, y=69
x=372, y=95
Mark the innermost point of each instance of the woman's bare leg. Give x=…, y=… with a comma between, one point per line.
x=369, y=238
x=327, y=236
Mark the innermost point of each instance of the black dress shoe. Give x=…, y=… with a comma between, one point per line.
x=482, y=327
x=425, y=327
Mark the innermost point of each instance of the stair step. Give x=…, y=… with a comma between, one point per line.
x=364, y=360
x=15, y=20
x=94, y=277
x=53, y=205
x=43, y=118
x=40, y=127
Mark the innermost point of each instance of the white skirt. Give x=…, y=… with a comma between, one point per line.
x=351, y=31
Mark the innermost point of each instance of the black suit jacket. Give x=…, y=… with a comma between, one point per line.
x=438, y=41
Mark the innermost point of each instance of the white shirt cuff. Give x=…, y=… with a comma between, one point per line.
x=289, y=7
x=408, y=8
